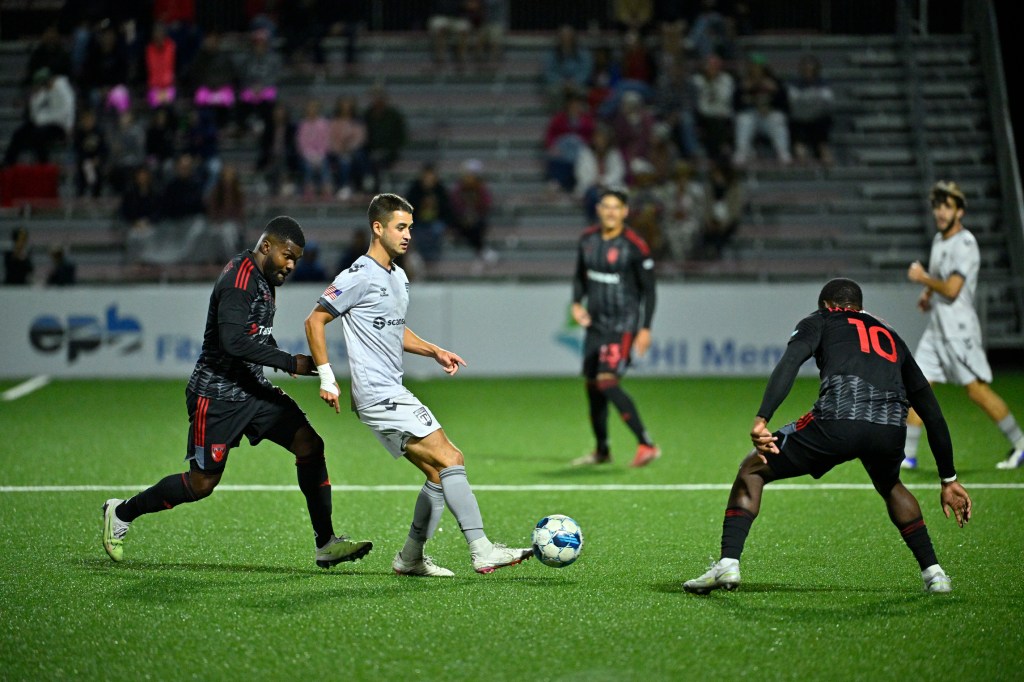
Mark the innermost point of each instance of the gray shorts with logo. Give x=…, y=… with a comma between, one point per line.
x=395, y=420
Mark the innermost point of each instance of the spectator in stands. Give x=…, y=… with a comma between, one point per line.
x=347, y=147
x=599, y=164
x=140, y=203
x=724, y=197
x=342, y=20
x=18, y=260
x=62, y=270
x=491, y=35
x=225, y=214
x=211, y=79
x=161, y=141
x=433, y=212
x=356, y=247
x=662, y=152
x=91, y=155
x=183, y=194
x=637, y=61
x=179, y=18
x=312, y=142
x=713, y=32
x=810, y=112
x=386, y=135
x=278, y=161
x=127, y=141
x=568, y=131
x=49, y=53
x=715, y=89
x=684, y=212
x=161, y=64
x=449, y=25
x=309, y=268
x=632, y=15
x=604, y=77
x=646, y=206
x=633, y=125
x=675, y=103
x=105, y=67
x=567, y=66
x=259, y=72
x=202, y=143
x=51, y=116
x=761, y=108
x=471, y=204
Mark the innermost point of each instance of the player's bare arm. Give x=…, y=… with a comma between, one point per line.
x=411, y=343
x=643, y=342
x=316, y=337
x=955, y=498
x=762, y=438
x=949, y=288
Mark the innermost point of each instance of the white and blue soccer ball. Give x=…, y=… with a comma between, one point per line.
x=557, y=540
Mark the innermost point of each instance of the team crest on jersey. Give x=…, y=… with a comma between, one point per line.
x=424, y=416
x=229, y=267
x=218, y=451
x=383, y=291
x=613, y=255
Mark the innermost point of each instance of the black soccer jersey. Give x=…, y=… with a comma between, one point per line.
x=238, y=341
x=616, y=277
x=865, y=367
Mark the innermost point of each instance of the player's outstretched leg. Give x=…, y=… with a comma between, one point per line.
x=114, y=530
x=905, y=513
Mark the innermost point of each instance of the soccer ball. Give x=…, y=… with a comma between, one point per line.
x=557, y=540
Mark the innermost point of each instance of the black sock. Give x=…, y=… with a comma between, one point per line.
x=624, y=404
x=168, y=493
x=734, y=531
x=598, y=417
x=316, y=486
x=915, y=534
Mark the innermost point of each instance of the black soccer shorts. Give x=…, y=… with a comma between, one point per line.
x=813, y=446
x=216, y=426
x=606, y=352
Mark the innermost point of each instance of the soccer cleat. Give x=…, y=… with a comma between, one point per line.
x=1013, y=460
x=339, y=549
x=592, y=459
x=909, y=463
x=719, y=576
x=936, y=580
x=645, y=454
x=424, y=566
x=114, y=530
x=499, y=557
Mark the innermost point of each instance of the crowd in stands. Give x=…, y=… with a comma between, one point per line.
x=671, y=108
x=142, y=101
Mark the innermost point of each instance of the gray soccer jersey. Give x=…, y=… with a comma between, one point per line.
x=957, y=255
x=371, y=302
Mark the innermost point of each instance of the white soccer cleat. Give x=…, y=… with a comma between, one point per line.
x=114, y=530
x=936, y=580
x=499, y=557
x=423, y=566
x=724, y=574
x=339, y=549
x=592, y=459
x=1014, y=460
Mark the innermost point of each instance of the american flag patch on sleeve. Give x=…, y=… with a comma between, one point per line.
x=332, y=292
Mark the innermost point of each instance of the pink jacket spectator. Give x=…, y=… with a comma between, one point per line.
x=346, y=136
x=312, y=139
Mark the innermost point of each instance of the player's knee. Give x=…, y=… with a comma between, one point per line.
x=451, y=457
x=202, y=484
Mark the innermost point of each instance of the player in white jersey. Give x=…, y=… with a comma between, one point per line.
x=371, y=298
x=950, y=351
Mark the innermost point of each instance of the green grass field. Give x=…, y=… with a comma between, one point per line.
x=227, y=588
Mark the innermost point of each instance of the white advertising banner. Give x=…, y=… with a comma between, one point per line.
x=500, y=330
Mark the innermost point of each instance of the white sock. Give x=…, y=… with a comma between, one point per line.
x=1008, y=425
x=913, y=437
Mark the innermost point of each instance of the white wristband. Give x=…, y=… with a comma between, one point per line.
x=948, y=480
x=327, y=379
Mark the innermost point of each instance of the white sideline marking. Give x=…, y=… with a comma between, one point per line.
x=625, y=487
x=26, y=387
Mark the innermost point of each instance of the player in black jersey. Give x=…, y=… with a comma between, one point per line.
x=615, y=275
x=228, y=396
x=869, y=380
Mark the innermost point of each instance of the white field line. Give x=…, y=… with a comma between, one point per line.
x=667, y=487
x=25, y=387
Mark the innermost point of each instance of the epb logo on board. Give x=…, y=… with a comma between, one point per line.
x=85, y=333
x=380, y=322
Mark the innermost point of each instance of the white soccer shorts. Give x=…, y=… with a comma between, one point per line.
x=956, y=361
x=396, y=420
